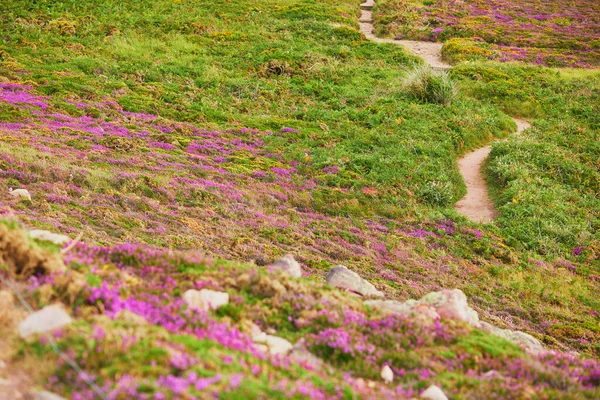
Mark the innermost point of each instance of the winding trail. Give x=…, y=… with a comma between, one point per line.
x=431, y=52
x=476, y=205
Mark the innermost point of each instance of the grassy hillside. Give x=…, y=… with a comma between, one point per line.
x=160, y=348
x=547, y=179
x=174, y=132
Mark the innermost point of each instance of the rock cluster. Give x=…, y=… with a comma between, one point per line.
x=453, y=304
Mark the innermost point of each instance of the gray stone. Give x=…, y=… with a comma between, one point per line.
x=393, y=306
x=22, y=194
x=288, y=265
x=524, y=340
x=256, y=334
x=452, y=304
x=433, y=393
x=342, y=278
x=277, y=346
x=48, y=236
x=45, y=320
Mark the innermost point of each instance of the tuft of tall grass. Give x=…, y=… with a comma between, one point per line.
x=429, y=85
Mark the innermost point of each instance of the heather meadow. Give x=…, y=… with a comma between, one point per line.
x=192, y=144
x=556, y=33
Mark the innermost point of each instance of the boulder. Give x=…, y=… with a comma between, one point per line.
x=256, y=334
x=433, y=393
x=451, y=304
x=48, y=236
x=524, y=340
x=393, y=306
x=45, y=320
x=205, y=299
x=22, y=194
x=288, y=265
x=277, y=346
x=414, y=308
x=342, y=278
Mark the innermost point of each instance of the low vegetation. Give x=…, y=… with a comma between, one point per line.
x=177, y=135
x=172, y=351
x=556, y=33
x=430, y=86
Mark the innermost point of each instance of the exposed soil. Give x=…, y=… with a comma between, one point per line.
x=476, y=205
x=431, y=52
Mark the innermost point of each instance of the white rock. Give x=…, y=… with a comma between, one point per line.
x=23, y=194
x=341, y=277
x=424, y=312
x=433, y=393
x=262, y=347
x=452, y=304
x=48, y=236
x=44, y=395
x=288, y=265
x=277, y=346
x=387, y=374
x=256, y=334
x=205, y=299
x=393, y=306
x=45, y=320
x=530, y=344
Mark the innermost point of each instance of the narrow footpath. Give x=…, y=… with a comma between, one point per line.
x=476, y=205
x=431, y=52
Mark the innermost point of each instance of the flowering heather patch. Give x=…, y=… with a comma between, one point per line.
x=561, y=33
x=128, y=177
x=183, y=353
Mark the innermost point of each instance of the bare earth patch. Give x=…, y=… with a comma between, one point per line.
x=477, y=205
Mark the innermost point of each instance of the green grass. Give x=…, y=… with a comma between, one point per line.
x=260, y=64
x=266, y=65
x=546, y=181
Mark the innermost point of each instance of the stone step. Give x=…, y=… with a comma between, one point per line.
x=365, y=16
x=367, y=5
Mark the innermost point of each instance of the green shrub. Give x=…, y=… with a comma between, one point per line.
x=431, y=86
x=436, y=193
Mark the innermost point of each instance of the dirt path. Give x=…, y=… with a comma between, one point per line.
x=431, y=52
x=476, y=205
